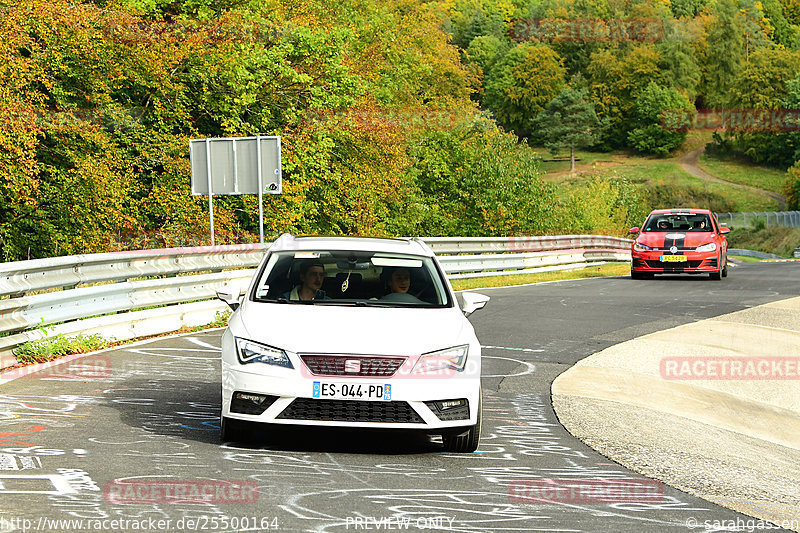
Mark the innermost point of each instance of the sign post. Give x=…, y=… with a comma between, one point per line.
x=236, y=165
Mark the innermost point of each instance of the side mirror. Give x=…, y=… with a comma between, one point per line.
x=724, y=230
x=473, y=301
x=633, y=230
x=230, y=293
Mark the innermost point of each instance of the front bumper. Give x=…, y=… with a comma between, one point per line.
x=294, y=404
x=696, y=263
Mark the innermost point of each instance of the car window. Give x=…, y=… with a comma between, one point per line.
x=683, y=222
x=353, y=278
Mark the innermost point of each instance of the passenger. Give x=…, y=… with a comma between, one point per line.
x=312, y=273
x=663, y=224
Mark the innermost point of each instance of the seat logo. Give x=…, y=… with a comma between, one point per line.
x=352, y=366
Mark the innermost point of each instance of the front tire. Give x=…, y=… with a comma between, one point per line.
x=719, y=274
x=466, y=442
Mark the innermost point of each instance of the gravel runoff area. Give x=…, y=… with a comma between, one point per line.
x=682, y=406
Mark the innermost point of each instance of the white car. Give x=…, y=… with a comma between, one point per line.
x=352, y=332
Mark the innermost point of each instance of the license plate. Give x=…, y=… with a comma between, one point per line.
x=673, y=258
x=351, y=391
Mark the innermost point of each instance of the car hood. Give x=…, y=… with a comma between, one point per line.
x=354, y=330
x=681, y=239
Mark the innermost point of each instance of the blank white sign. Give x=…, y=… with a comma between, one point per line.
x=233, y=165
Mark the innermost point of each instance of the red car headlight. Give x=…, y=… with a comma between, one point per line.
x=710, y=247
x=637, y=247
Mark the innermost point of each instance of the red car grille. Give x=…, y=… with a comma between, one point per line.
x=673, y=266
x=345, y=365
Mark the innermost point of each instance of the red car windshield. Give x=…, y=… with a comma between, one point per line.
x=667, y=222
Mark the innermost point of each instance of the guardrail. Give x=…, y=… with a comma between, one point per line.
x=125, y=295
x=752, y=253
x=752, y=218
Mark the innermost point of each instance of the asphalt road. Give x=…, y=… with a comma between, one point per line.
x=78, y=441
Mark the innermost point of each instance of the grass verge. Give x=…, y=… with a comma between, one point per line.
x=50, y=348
x=745, y=258
x=770, y=179
x=610, y=269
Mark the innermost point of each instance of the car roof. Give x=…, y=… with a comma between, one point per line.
x=287, y=242
x=681, y=211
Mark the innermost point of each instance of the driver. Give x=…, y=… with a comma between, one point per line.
x=663, y=224
x=398, y=281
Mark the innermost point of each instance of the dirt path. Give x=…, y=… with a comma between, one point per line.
x=689, y=163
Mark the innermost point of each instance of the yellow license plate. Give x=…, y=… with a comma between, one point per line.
x=673, y=258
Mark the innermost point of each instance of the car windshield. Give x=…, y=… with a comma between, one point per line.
x=334, y=277
x=683, y=222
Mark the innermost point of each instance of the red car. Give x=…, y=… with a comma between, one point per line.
x=680, y=241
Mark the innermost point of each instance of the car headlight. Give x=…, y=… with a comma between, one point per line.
x=640, y=247
x=454, y=358
x=253, y=352
x=710, y=247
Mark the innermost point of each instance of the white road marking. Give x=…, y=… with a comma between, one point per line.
x=529, y=370
x=530, y=350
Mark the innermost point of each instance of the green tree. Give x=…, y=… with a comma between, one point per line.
x=616, y=78
x=570, y=122
x=651, y=135
x=725, y=53
x=782, y=32
x=791, y=10
x=768, y=81
x=485, y=51
x=678, y=61
x=761, y=83
x=468, y=19
x=522, y=83
x=686, y=8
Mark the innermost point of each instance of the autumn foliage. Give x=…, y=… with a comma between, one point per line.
x=99, y=100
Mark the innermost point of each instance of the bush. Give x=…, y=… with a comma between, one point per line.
x=604, y=205
x=774, y=240
x=792, y=187
x=472, y=182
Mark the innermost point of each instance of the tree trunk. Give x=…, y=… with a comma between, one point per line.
x=572, y=159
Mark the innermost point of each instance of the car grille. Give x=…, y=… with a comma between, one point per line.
x=673, y=266
x=351, y=411
x=335, y=365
